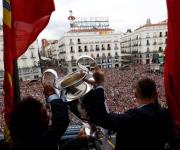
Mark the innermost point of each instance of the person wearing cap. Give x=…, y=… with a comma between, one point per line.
x=147, y=127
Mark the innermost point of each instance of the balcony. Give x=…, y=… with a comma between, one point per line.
x=97, y=49
x=103, y=48
x=155, y=43
x=79, y=43
x=116, y=57
x=80, y=50
x=63, y=52
x=86, y=50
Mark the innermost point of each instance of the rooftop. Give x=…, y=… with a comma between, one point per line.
x=162, y=23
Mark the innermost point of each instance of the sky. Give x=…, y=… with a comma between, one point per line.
x=122, y=14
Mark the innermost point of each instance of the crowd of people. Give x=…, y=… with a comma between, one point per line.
x=121, y=88
x=119, y=85
x=118, y=88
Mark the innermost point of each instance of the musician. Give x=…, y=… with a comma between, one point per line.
x=144, y=128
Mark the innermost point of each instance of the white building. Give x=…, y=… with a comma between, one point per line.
x=28, y=63
x=147, y=43
x=93, y=37
x=87, y=36
x=102, y=45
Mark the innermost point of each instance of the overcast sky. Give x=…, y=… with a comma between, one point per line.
x=122, y=14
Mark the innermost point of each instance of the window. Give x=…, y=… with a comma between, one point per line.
x=154, y=43
x=91, y=48
x=85, y=48
x=160, y=34
x=109, y=47
x=79, y=41
x=97, y=47
x=71, y=49
x=103, y=47
x=148, y=50
x=160, y=49
x=116, y=55
x=116, y=47
x=147, y=42
x=103, y=60
x=36, y=77
x=147, y=61
x=109, y=60
x=70, y=41
x=72, y=57
x=79, y=49
x=32, y=55
x=166, y=33
x=147, y=35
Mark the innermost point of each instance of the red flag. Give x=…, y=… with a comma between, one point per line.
x=172, y=62
x=23, y=20
x=29, y=18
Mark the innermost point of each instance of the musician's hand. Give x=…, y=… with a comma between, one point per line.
x=48, y=90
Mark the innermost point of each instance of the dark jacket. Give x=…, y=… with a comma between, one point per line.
x=60, y=122
x=50, y=138
x=144, y=128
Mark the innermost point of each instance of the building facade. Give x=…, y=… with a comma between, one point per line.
x=146, y=44
x=102, y=45
x=87, y=36
x=93, y=37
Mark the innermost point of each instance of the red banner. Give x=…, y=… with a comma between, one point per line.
x=172, y=62
x=29, y=18
x=23, y=20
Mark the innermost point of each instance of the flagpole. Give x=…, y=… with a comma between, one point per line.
x=40, y=60
x=16, y=82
